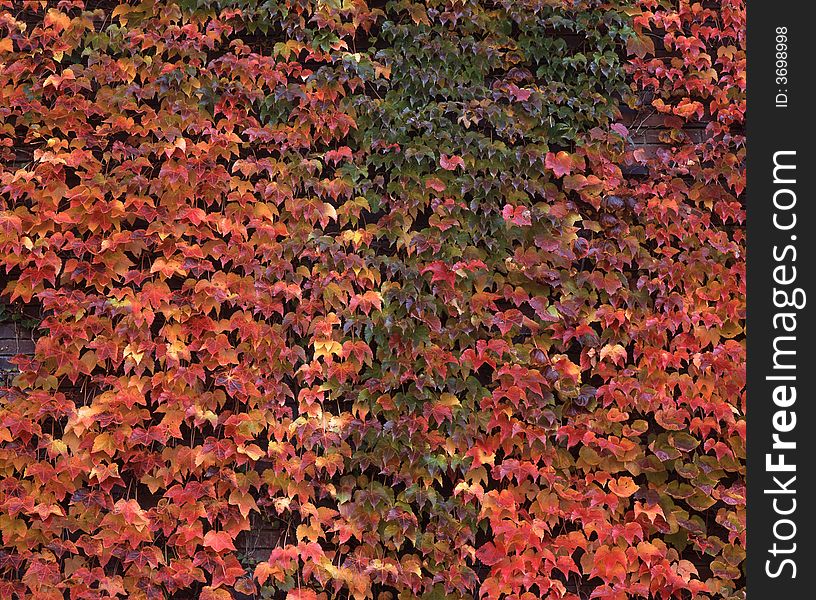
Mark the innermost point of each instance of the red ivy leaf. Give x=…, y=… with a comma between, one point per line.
x=451, y=162
x=518, y=215
x=560, y=164
x=219, y=541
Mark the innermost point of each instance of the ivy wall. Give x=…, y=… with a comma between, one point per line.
x=449, y=296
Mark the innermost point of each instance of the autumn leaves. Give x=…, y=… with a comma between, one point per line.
x=398, y=296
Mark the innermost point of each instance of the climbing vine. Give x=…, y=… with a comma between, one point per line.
x=451, y=291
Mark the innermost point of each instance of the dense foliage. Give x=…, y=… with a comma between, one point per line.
x=396, y=275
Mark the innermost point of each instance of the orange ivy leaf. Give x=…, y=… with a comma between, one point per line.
x=218, y=541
